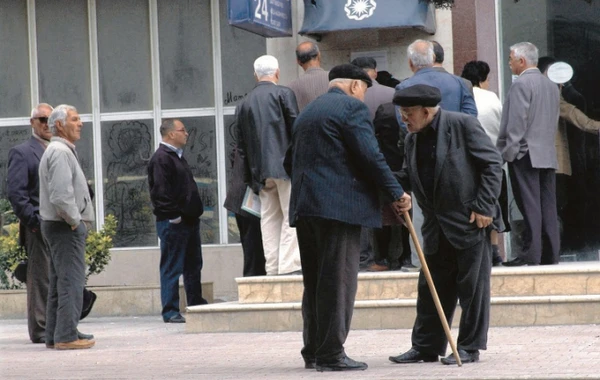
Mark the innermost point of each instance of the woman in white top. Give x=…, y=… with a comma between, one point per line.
x=489, y=112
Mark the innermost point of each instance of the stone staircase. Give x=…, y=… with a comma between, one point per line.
x=568, y=293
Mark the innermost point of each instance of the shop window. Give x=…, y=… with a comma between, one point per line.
x=124, y=55
x=9, y=137
x=186, y=57
x=63, y=53
x=230, y=142
x=126, y=149
x=15, y=95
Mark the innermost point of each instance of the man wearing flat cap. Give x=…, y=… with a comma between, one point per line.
x=455, y=173
x=337, y=172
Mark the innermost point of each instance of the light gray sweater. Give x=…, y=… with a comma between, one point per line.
x=64, y=193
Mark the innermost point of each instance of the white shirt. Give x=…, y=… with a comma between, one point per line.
x=489, y=111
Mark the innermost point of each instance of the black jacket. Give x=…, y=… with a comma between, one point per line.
x=173, y=190
x=264, y=130
x=468, y=176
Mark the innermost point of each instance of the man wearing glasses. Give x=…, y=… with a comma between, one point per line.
x=23, y=192
x=177, y=207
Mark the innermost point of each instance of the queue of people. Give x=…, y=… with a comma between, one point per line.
x=336, y=159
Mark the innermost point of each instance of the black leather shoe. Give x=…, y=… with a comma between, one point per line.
x=39, y=340
x=516, y=262
x=88, y=308
x=465, y=357
x=413, y=356
x=81, y=335
x=344, y=364
x=178, y=318
x=309, y=363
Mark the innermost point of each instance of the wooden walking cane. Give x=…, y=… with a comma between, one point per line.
x=434, y=295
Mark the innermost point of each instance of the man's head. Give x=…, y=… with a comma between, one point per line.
x=39, y=120
x=477, y=73
x=523, y=56
x=308, y=55
x=173, y=132
x=266, y=68
x=65, y=122
x=420, y=55
x=438, y=53
x=350, y=79
x=368, y=64
x=418, y=105
x=544, y=63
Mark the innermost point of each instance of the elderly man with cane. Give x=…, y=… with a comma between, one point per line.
x=454, y=172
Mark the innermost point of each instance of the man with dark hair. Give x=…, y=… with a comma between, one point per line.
x=376, y=94
x=178, y=207
x=454, y=171
x=337, y=170
x=314, y=82
x=438, y=59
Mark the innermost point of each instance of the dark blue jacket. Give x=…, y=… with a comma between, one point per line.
x=23, y=181
x=336, y=166
x=173, y=190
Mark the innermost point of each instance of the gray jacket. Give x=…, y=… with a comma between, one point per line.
x=64, y=193
x=529, y=120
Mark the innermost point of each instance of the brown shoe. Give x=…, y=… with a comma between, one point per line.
x=377, y=268
x=75, y=345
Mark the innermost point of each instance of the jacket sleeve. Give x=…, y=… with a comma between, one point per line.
x=467, y=104
x=359, y=135
x=17, y=188
x=489, y=167
x=161, y=178
x=290, y=109
x=60, y=187
x=509, y=140
x=574, y=116
x=241, y=144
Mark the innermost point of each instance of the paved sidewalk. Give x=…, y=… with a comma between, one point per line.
x=147, y=348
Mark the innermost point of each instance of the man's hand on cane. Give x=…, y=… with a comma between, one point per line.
x=403, y=204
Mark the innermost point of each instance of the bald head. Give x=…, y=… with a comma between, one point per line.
x=308, y=55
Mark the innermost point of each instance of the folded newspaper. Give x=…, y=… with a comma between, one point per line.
x=251, y=202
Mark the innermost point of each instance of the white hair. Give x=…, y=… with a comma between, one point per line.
x=59, y=114
x=420, y=53
x=266, y=65
x=36, y=110
x=527, y=51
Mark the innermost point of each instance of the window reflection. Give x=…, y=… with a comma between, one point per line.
x=233, y=232
x=9, y=137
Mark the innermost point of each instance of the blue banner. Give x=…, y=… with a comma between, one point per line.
x=323, y=16
x=268, y=18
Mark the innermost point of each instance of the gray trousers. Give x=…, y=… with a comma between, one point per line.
x=38, y=258
x=67, y=279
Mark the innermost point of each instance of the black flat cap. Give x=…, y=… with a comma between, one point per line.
x=365, y=63
x=349, y=71
x=418, y=95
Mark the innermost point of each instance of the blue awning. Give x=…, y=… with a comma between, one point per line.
x=268, y=18
x=323, y=16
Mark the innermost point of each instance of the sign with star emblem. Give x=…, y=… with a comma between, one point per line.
x=325, y=16
x=360, y=9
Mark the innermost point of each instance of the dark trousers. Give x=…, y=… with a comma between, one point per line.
x=38, y=259
x=457, y=274
x=66, y=279
x=535, y=194
x=251, y=238
x=180, y=253
x=392, y=243
x=329, y=252
x=367, y=254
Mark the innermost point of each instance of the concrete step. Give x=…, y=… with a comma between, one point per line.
x=112, y=301
x=391, y=314
x=564, y=279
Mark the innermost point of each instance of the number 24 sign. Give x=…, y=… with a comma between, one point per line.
x=262, y=9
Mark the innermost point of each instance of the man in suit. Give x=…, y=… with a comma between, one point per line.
x=178, y=207
x=314, y=82
x=264, y=129
x=67, y=213
x=375, y=96
x=337, y=170
x=23, y=189
x=438, y=60
x=455, y=174
x=527, y=142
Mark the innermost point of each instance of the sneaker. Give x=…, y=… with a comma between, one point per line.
x=75, y=345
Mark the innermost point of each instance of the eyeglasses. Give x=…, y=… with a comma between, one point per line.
x=43, y=120
x=405, y=113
